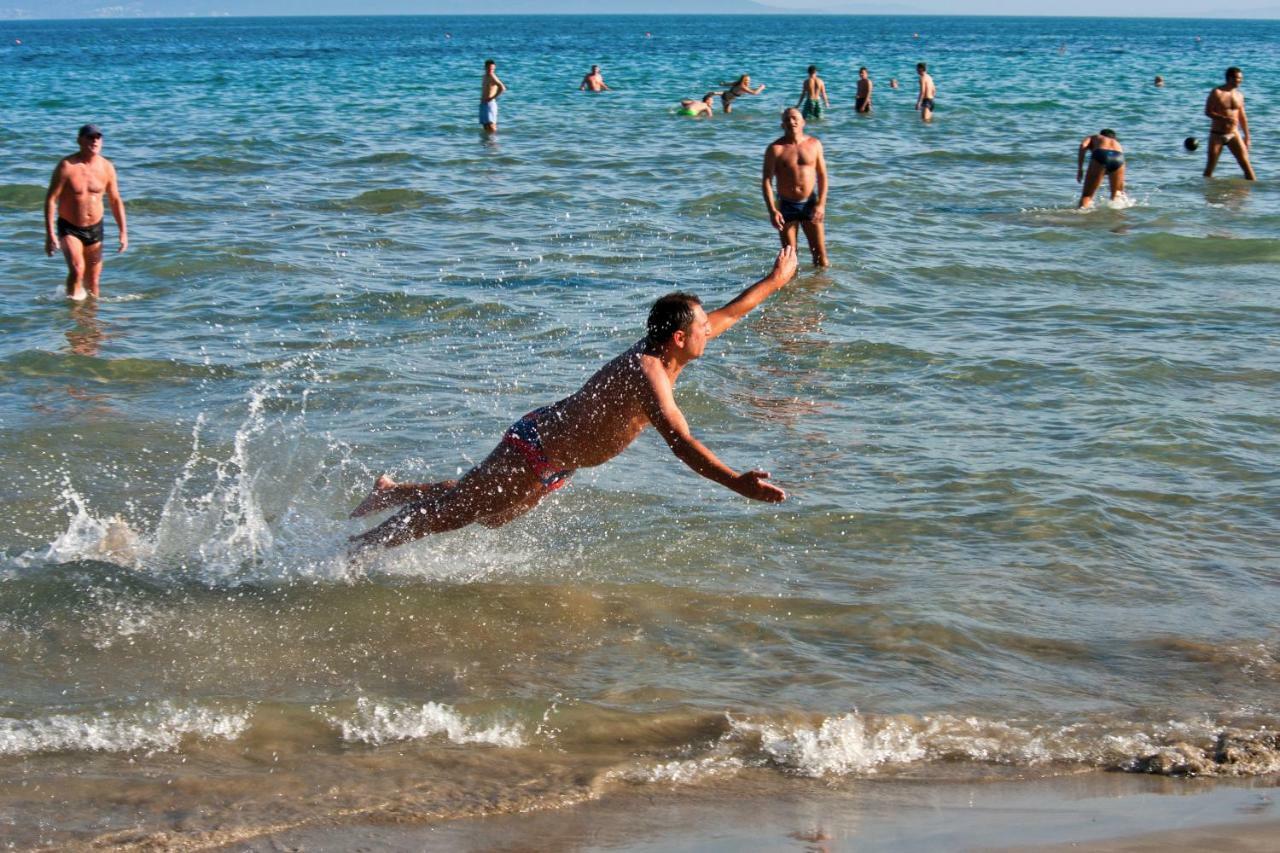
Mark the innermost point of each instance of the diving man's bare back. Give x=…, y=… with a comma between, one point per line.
x=541, y=451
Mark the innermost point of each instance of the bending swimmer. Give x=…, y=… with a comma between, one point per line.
x=738, y=88
x=1106, y=156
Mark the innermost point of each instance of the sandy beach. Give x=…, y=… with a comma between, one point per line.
x=1095, y=811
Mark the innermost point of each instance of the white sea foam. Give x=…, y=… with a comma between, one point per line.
x=376, y=723
x=158, y=728
x=838, y=746
x=853, y=744
x=684, y=772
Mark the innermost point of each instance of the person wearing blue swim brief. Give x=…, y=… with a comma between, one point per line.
x=796, y=161
x=1106, y=157
x=538, y=453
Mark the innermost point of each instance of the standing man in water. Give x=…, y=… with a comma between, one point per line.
x=539, y=453
x=490, y=88
x=865, y=86
x=75, y=196
x=813, y=95
x=594, y=81
x=1229, y=125
x=797, y=162
x=924, y=101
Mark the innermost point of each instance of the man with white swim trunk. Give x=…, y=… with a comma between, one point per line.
x=490, y=88
x=1230, y=126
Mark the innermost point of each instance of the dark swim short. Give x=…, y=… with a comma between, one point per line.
x=1107, y=158
x=523, y=435
x=89, y=236
x=798, y=211
x=862, y=105
x=926, y=104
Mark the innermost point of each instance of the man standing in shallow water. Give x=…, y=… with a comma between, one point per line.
x=865, y=87
x=928, y=91
x=490, y=88
x=813, y=95
x=1229, y=125
x=540, y=452
x=798, y=164
x=593, y=81
x=75, y=195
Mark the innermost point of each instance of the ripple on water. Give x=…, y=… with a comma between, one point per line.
x=212, y=165
x=385, y=158
x=1209, y=250
x=163, y=206
x=21, y=197
x=31, y=364
x=382, y=201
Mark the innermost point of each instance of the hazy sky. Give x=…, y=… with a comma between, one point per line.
x=1078, y=8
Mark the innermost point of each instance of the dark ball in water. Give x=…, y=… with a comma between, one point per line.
x=1190, y=143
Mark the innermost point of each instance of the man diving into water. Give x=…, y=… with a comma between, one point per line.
x=539, y=453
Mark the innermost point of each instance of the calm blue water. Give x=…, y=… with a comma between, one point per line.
x=1032, y=452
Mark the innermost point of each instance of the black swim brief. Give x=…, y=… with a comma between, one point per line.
x=1107, y=158
x=926, y=104
x=89, y=235
x=798, y=211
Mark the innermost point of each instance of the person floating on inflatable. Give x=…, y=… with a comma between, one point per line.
x=690, y=107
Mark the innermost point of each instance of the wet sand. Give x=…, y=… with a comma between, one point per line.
x=1109, y=812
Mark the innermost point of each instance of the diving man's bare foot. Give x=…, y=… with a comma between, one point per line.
x=388, y=493
x=382, y=496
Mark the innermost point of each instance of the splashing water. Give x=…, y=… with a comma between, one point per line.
x=261, y=513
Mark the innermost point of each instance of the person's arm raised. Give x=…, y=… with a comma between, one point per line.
x=668, y=420
x=784, y=267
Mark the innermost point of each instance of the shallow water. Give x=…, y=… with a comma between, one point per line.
x=1032, y=453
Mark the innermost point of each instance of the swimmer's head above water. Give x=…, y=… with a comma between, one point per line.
x=675, y=312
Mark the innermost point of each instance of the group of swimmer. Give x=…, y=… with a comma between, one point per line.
x=1228, y=128
x=813, y=95
x=540, y=452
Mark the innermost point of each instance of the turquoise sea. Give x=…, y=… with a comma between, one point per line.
x=1033, y=454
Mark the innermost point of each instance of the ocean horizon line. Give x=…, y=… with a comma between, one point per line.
x=772, y=13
